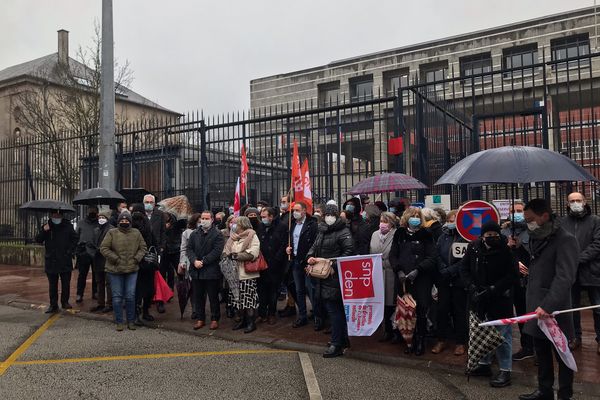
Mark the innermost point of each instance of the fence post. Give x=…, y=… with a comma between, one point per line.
x=398, y=130
x=475, y=191
x=203, y=167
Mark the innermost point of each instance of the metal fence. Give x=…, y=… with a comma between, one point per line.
x=553, y=104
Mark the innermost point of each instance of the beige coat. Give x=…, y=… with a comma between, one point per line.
x=389, y=277
x=249, y=254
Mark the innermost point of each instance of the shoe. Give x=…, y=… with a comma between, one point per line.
x=131, y=326
x=439, y=347
x=213, y=325
x=67, y=306
x=120, y=327
x=482, y=370
x=387, y=336
x=237, y=316
x=242, y=320
x=51, y=310
x=147, y=317
x=501, y=380
x=97, y=309
x=300, y=322
x=460, y=350
x=160, y=307
x=79, y=299
x=107, y=309
x=333, y=351
x=287, y=312
x=251, y=321
x=409, y=349
x=318, y=324
x=537, y=395
x=574, y=344
x=420, y=346
x=199, y=325
x=523, y=354
x=271, y=320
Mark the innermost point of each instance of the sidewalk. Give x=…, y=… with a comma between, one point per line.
x=20, y=284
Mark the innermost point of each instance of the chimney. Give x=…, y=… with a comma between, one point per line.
x=63, y=47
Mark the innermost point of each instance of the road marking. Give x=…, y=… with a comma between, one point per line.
x=310, y=378
x=152, y=356
x=12, y=359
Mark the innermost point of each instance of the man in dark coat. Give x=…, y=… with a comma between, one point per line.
x=59, y=240
x=489, y=272
x=204, y=249
x=273, y=241
x=302, y=236
x=88, y=231
x=159, y=234
x=552, y=270
x=586, y=228
x=365, y=231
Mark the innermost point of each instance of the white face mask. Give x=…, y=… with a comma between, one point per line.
x=576, y=207
x=205, y=223
x=330, y=219
x=532, y=226
x=102, y=221
x=297, y=215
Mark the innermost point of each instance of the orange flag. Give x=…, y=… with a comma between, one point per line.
x=297, y=180
x=243, y=173
x=307, y=187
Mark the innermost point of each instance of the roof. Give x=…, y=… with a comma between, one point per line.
x=45, y=68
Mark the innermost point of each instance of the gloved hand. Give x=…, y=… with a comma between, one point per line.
x=412, y=275
x=401, y=276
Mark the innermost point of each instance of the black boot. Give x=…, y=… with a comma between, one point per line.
x=537, y=395
x=419, y=345
x=242, y=322
x=501, y=380
x=250, y=320
x=229, y=312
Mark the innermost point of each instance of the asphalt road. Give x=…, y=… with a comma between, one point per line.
x=78, y=358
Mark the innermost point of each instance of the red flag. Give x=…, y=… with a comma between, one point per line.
x=395, y=146
x=236, y=200
x=307, y=187
x=297, y=181
x=243, y=173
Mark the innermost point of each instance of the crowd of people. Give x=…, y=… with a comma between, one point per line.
x=532, y=262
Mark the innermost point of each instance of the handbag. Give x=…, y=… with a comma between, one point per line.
x=150, y=260
x=257, y=265
x=321, y=269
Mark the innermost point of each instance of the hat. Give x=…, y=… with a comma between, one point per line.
x=490, y=226
x=372, y=211
x=251, y=210
x=124, y=215
x=105, y=214
x=332, y=209
x=331, y=202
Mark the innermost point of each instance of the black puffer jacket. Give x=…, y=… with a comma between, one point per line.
x=586, y=228
x=413, y=250
x=206, y=247
x=60, y=242
x=332, y=241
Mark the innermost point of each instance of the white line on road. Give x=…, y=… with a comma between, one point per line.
x=309, y=377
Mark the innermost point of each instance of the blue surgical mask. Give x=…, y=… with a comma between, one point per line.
x=519, y=217
x=56, y=221
x=148, y=206
x=349, y=207
x=451, y=226
x=266, y=221
x=392, y=209
x=414, y=222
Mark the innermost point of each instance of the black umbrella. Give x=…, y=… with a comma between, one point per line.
x=98, y=196
x=515, y=164
x=134, y=195
x=47, y=205
x=183, y=287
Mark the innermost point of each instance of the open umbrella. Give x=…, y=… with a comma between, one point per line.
x=387, y=182
x=47, y=205
x=183, y=287
x=134, y=195
x=404, y=318
x=95, y=196
x=482, y=340
x=162, y=291
x=178, y=206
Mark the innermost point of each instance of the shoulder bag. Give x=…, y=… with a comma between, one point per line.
x=257, y=265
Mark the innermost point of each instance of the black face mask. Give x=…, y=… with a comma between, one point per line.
x=124, y=225
x=493, y=241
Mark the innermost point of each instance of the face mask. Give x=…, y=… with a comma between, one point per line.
x=284, y=206
x=148, y=206
x=532, y=226
x=297, y=215
x=56, y=221
x=230, y=210
x=364, y=215
x=519, y=217
x=102, y=221
x=266, y=221
x=124, y=225
x=233, y=227
x=350, y=207
x=414, y=222
x=384, y=228
x=576, y=207
x=317, y=215
x=330, y=219
x=493, y=241
x=451, y=226
x=392, y=209
x=205, y=224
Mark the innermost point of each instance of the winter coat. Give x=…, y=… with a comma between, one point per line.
x=384, y=247
x=521, y=250
x=356, y=226
x=482, y=268
x=123, y=249
x=88, y=231
x=173, y=235
x=307, y=238
x=364, y=235
x=586, y=228
x=332, y=241
x=435, y=228
x=552, y=272
x=59, y=242
x=185, y=237
x=99, y=260
x=273, y=242
x=206, y=247
x=249, y=254
x=412, y=251
x=448, y=265
x=158, y=229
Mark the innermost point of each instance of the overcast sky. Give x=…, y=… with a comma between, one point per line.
x=189, y=55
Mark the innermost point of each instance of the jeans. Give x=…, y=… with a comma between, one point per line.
x=544, y=349
x=337, y=316
x=315, y=301
x=594, y=295
x=65, y=285
x=123, y=288
x=300, y=284
x=504, y=352
x=202, y=287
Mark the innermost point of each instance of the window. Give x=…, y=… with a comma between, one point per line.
x=329, y=93
x=361, y=89
x=574, y=46
x=520, y=57
x=475, y=65
x=392, y=80
x=434, y=73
